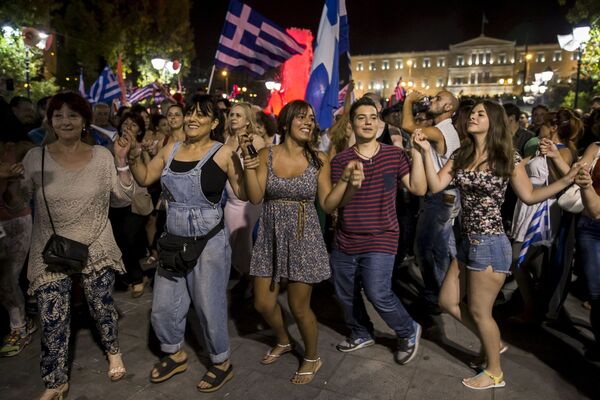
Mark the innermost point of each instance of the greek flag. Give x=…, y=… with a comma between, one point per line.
x=332, y=42
x=105, y=89
x=538, y=231
x=143, y=93
x=250, y=41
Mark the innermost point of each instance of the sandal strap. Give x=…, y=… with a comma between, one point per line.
x=284, y=346
x=219, y=375
x=313, y=361
x=496, y=378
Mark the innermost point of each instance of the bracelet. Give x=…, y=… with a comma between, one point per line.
x=123, y=169
x=345, y=180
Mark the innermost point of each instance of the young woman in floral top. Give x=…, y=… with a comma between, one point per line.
x=481, y=170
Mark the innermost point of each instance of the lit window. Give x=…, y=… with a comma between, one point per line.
x=359, y=85
x=502, y=58
x=399, y=64
x=372, y=66
x=557, y=56
x=460, y=61
x=425, y=83
x=359, y=66
x=540, y=57
x=441, y=61
x=439, y=82
x=385, y=65
x=371, y=84
x=574, y=56
x=426, y=62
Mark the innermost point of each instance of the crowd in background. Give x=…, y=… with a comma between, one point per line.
x=388, y=185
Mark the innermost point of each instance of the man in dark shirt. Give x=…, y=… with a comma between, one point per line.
x=520, y=136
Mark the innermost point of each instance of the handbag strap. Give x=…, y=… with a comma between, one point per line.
x=44, y=192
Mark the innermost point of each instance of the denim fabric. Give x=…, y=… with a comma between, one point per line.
x=189, y=213
x=588, y=248
x=54, y=303
x=478, y=252
x=372, y=271
x=435, y=245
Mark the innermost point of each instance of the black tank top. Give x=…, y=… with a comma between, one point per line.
x=212, y=179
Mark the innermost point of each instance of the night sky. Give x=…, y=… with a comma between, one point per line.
x=378, y=26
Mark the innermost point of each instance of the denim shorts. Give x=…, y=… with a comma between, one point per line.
x=477, y=252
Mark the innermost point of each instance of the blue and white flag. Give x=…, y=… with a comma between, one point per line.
x=150, y=90
x=332, y=42
x=105, y=89
x=252, y=42
x=81, y=84
x=538, y=231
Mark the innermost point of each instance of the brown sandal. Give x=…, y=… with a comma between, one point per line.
x=271, y=357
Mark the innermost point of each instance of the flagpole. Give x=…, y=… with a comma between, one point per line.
x=212, y=73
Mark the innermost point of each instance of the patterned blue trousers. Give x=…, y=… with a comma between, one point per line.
x=54, y=303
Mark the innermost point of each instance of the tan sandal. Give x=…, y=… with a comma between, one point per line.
x=58, y=393
x=118, y=371
x=271, y=357
x=497, y=381
x=309, y=374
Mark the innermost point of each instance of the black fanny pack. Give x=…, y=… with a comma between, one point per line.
x=61, y=254
x=180, y=253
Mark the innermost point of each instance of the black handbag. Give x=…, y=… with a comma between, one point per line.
x=180, y=254
x=62, y=255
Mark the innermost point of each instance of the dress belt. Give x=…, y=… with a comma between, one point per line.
x=301, y=214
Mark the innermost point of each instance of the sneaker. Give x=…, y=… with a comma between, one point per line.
x=16, y=341
x=349, y=344
x=408, y=347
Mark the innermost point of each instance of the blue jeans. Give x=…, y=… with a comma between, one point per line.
x=435, y=245
x=206, y=287
x=374, y=272
x=588, y=248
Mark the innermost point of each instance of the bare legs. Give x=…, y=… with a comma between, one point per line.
x=482, y=288
x=265, y=302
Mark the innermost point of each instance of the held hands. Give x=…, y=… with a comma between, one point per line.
x=13, y=171
x=548, y=148
x=126, y=146
x=419, y=140
x=250, y=162
x=353, y=174
x=577, y=169
x=583, y=179
x=244, y=139
x=414, y=96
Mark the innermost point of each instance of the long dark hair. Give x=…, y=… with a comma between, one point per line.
x=205, y=104
x=500, y=152
x=569, y=126
x=284, y=122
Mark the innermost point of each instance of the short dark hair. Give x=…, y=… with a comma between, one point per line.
x=156, y=118
x=178, y=105
x=74, y=101
x=363, y=101
x=542, y=106
x=595, y=99
x=512, y=109
x=139, y=121
x=17, y=100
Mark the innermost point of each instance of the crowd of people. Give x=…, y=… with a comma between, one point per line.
x=472, y=190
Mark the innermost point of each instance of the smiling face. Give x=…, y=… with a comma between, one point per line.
x=365, y=123
x=197, y=126
x=478, y=120
x=67, y=123
x=303, y=125
x=237, y=118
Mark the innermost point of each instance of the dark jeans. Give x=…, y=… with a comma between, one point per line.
x=130, y=234
x=374, y=272
x=588, y=248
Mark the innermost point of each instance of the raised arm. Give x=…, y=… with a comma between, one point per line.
x=529, y=195
x=255, y=174
x=433, y=134
x=416, y=181
x=437, y=181
x=234, y=170
x=561, y=159
x=144, y=174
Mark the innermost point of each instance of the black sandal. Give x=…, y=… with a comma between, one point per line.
x=221, y=378
x=167, y=368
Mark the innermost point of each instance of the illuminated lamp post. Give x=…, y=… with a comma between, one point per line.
x=572, y=42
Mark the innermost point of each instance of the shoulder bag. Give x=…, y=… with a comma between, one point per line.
x=61, y=254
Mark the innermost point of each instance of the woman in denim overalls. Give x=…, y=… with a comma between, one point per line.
x=193, y=175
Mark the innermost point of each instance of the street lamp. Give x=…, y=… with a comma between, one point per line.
x=162, y=65
x=575, y=41
x=226, y=77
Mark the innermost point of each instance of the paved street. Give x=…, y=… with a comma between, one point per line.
x=542, y=363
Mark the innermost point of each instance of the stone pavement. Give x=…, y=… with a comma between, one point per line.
x=542, y=363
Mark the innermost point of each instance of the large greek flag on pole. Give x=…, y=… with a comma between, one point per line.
x=332, y=41
x=538, y=231
x=105, y=89
x=252, y=42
